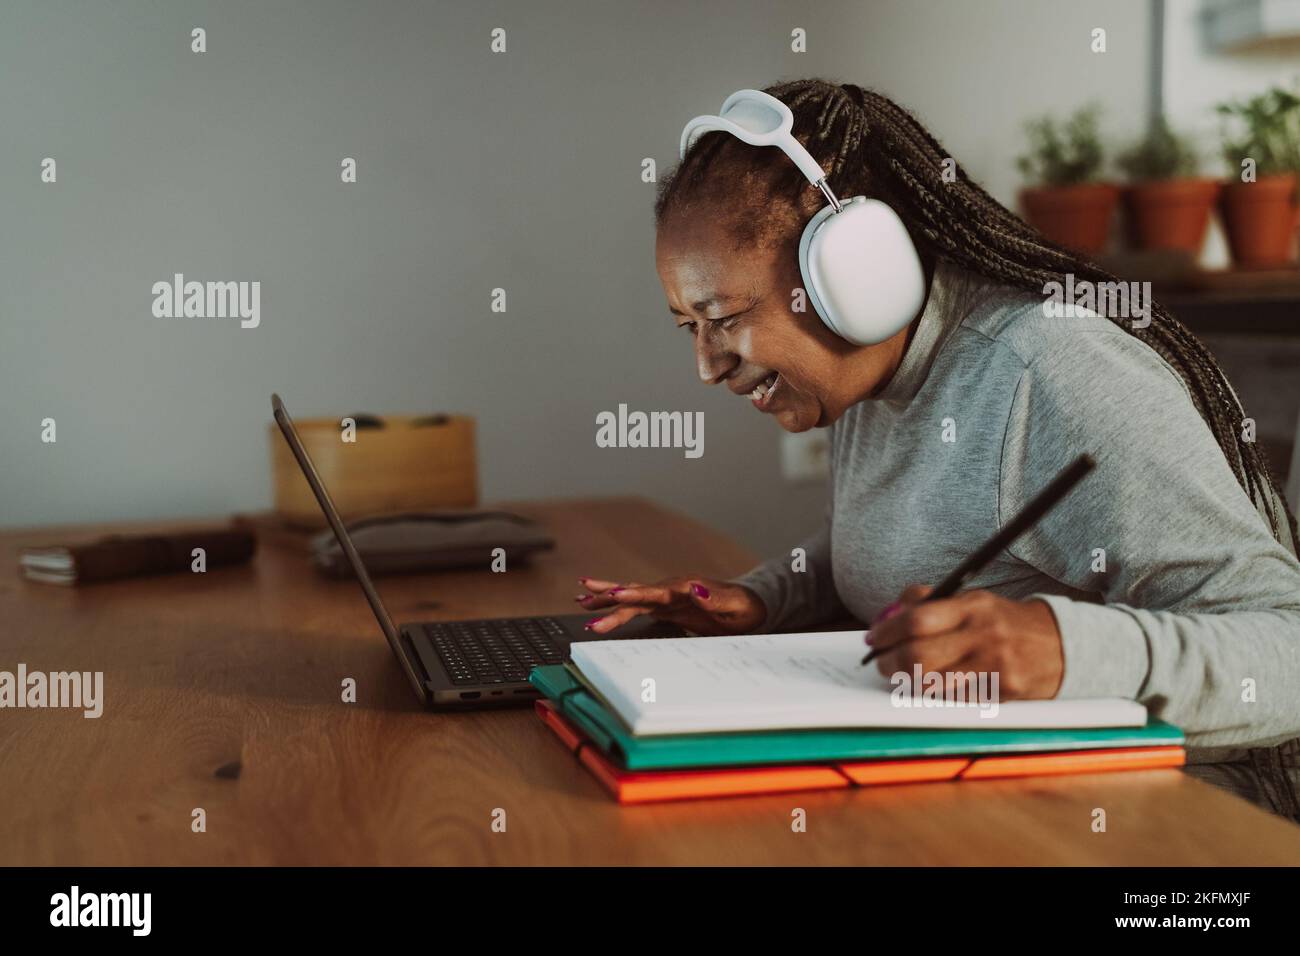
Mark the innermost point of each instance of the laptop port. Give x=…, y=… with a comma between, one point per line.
x=470, y=695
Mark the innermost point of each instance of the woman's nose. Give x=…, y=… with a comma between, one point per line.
x=711, y=361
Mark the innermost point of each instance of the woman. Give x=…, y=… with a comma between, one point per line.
x=1169, y=576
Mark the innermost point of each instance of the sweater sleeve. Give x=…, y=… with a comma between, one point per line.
x=1198, y=613
x=798, y=600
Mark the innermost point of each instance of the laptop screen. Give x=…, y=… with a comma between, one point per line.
x=345, y=542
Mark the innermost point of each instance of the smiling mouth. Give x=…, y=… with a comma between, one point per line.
x=761, y=396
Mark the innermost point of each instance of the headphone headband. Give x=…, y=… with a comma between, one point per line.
x=759, y=119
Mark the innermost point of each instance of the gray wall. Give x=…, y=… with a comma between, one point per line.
x=475, y=170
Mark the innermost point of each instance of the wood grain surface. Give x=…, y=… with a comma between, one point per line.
x=223, y=691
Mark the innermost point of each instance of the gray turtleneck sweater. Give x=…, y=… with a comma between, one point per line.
x=1165, y=581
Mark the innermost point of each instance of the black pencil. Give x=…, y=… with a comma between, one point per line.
x=1030, y=515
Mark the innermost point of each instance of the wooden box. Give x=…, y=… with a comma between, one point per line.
x=411, y=463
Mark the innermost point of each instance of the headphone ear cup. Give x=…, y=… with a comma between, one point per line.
x=861, y=270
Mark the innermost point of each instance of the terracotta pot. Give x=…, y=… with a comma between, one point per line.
x=1260, y=219
x=1170, y=213
x=1077, y=217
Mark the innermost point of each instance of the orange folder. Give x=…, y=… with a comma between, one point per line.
x=658, y=785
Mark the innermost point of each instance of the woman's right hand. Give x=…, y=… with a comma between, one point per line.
x=701, y=605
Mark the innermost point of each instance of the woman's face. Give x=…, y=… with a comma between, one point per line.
x=739, y=309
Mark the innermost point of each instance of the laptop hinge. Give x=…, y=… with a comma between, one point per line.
x=421, y=659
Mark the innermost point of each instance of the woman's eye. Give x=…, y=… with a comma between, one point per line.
x=728, y=323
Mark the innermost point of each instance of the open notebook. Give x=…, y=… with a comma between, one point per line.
x=791, y=681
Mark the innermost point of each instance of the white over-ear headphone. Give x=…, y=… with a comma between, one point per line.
x=860, y=268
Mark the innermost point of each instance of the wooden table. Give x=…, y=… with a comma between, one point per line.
x=241, y=669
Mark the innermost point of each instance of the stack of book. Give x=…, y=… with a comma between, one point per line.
x=678, y=718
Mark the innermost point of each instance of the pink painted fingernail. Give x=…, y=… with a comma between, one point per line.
x=582, y=597
x=594, y=620
x=701, y=591
x=616, y=590
x=887, y=613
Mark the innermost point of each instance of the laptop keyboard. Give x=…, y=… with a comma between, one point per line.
x=495, y=652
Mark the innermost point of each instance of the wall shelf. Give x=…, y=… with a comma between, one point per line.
x=1221, y=301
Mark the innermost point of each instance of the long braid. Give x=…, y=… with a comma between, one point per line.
x=867, y=144
x=1040, y=262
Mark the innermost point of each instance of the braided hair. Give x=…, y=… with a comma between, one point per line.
x=869, y=145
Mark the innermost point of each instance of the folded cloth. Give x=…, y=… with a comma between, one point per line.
x=429, y=540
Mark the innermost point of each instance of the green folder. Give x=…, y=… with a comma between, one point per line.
x=580, y=704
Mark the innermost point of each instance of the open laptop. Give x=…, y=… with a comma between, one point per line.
x=455, y=665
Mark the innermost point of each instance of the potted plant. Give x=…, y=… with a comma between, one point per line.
x=1262, y=146
x=1067, y=204
x=1168, y=205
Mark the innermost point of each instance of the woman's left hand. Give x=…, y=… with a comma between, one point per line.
x=973, y=631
